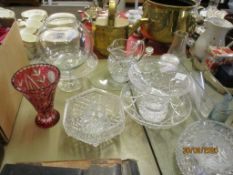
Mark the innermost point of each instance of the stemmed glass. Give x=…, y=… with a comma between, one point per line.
x=67, y=44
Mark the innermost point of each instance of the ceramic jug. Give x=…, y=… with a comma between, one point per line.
x=216, y=30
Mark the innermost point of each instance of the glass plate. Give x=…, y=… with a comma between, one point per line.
x=87, y=67
x=205, y=148
x=93, y=116
x=82, y=70
x=163, y=119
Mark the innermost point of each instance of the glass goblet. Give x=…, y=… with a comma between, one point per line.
x=38, y=83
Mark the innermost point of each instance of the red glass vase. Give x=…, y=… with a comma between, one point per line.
x=38, y=84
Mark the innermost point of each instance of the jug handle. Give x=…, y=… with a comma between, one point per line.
x=134, y=27
x=141, y=49
x=84, y=16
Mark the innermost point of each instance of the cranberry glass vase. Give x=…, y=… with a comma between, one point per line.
x=38, y=83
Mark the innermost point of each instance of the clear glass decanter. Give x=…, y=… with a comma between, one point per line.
x=178, y=46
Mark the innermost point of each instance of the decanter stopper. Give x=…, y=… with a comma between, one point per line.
x=149, y=51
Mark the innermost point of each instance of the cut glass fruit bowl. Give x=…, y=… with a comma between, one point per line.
x=159, y=77
x=93, y=116
x=158, y=94
x=152, y=114
x=205, y=148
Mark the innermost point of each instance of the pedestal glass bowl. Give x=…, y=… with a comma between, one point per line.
x=93, y=116
x=205, y=147
x=38, y=83
x=67, y=44
x=158, y=94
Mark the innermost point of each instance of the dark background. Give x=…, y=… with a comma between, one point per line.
x=222, y=5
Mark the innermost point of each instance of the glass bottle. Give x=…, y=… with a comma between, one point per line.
x=178, y=46
x=221, y=110
x=213, y=3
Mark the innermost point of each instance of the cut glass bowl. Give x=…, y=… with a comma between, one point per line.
x=161, y=78
x=212, y=149
x=93, y=116
x=166, y=118
x=158, y=95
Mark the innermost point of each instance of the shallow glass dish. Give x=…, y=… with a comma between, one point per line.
x=84, y=69
x=93, y=116
x=205, y=148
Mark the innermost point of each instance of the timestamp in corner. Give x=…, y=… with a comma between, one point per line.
x=200, y=150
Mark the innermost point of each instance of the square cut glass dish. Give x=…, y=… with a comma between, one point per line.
x=93, y=116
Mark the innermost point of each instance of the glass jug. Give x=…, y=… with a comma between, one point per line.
x=123, y=53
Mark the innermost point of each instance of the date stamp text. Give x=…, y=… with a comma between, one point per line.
x=200, y=150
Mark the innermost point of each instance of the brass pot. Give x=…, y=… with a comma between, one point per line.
x=105, y=34
x=159, y=22
x=106, y=30
x=164, y=17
